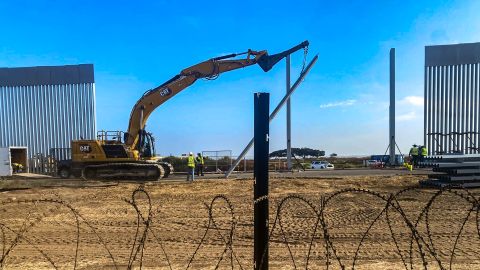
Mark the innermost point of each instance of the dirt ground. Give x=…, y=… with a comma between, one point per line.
x=95, y=225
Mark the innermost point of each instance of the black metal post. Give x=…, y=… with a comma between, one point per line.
x=260, y=186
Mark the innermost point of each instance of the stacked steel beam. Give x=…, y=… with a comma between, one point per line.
x=453, y=170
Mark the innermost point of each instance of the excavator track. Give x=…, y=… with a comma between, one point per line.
x=124, y=171
x=167, y=167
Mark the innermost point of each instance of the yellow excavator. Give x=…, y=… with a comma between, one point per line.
x=108, y=157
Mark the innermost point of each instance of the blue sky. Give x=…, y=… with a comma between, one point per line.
x=341, y=107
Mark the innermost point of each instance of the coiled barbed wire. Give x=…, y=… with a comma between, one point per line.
x=421, y=245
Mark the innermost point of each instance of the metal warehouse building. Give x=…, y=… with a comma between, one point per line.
x=44, y=108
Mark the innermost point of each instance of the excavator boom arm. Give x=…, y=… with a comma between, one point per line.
x=208, y=69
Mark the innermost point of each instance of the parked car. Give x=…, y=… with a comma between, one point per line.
x=374, y=163
x=322, y=165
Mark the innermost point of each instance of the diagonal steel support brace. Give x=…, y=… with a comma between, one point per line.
x=274, y=113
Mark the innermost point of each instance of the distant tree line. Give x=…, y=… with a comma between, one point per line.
x=301, y=152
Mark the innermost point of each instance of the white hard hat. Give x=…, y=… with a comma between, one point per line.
x=191, y=153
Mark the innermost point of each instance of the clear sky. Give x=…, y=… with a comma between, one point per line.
x=341, y=107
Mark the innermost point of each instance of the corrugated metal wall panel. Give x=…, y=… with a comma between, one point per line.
x=452, y=92
x=42, y=117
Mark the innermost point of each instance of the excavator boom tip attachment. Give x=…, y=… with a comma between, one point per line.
x=266, y=62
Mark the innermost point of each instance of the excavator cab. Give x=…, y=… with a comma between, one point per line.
x=146, y=144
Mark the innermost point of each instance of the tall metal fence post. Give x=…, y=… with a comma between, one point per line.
x=392, y=159
x=289, y=121
x=260, y=186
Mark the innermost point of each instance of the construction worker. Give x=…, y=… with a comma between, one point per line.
x=200, y=162
x=414, y=155
x=191, y=167
x=423, y=153
x=17, y=167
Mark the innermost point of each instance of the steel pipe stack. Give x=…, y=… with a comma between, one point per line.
x=452, y=99
x=453, y=170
